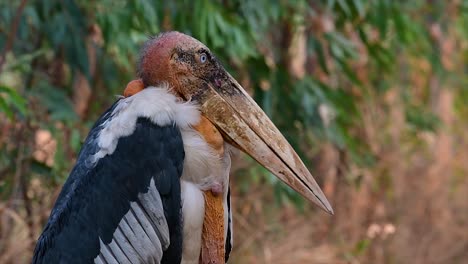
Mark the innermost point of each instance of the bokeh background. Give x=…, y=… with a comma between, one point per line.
x=373, y=95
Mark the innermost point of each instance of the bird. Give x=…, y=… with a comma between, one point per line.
x=151, y=181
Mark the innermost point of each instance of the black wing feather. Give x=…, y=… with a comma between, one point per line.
x=95, y=198
x=228, y=246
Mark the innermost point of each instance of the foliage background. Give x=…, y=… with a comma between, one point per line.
x=373, y=94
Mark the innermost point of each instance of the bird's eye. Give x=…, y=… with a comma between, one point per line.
x=203, y=58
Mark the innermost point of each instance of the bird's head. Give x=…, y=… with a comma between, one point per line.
x=181, y=61
x=194, y=74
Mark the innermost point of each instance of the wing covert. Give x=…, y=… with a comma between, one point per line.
x=132, y=193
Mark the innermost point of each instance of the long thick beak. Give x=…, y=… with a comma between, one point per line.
x=227, y=105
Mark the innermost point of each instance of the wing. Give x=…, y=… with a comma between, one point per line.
x=123, y=208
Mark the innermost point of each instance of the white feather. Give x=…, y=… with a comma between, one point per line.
x=142, y=234
x=201, y=164
x=193, y=210
x=157, y=104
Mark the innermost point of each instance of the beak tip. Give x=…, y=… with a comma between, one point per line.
x=325, y=205
x=330, y=211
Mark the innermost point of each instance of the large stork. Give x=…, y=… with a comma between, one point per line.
x=151, y=183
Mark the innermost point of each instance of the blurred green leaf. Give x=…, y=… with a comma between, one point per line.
x=56, y=102
x=75, y=140
x=315, y=47
x=5, y=108
x=11, y=100
x=361, y=247
x=421, y=119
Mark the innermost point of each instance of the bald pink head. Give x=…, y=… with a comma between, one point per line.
x=156, y=63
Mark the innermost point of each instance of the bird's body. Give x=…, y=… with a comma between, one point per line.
x=151, y=183
x=172, y=165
